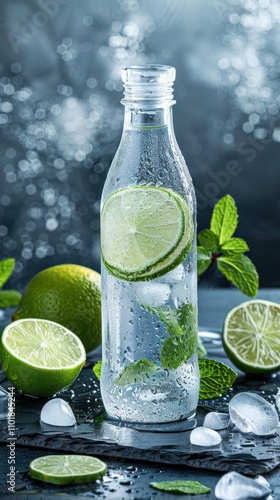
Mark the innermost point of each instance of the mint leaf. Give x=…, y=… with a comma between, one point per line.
x=203, y=260
x=224, y=219
x=208, y=240
x=9, y=298
x=175, y=351
x=136, y=371
x=240, y=270
x=97, y=369
x=188, y=487
x=168, y=316
x=6, y=269
x=181, y=325
x=201, y=350
x=177, y=321
x=235, y=245
x=215, y=378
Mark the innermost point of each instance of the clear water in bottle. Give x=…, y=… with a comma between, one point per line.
x=149, y=282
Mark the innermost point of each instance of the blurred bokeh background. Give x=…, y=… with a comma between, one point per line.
x=61, y=121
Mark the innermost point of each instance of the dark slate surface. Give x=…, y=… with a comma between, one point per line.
x=244, y=453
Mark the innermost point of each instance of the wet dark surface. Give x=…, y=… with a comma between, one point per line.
x=138, y=455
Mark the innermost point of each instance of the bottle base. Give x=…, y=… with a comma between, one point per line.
x=183, y=424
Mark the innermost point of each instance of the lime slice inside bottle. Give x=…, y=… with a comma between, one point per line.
x=41, y=357
x=251, y=336
x=67, y=469
x=146, y=231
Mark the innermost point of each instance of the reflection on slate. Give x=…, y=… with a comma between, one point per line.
x=163, y=443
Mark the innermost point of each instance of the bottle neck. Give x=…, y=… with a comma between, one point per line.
x=141, y=118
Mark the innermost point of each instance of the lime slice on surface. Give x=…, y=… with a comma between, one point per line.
x=146, y=231
x=41, y=357
x=251, y=336
x=67, y=469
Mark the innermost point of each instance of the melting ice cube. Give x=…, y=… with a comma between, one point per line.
x=216, y=421
x=252, y=413
x=201, y=436
x=234, y=486
x=152, y=294
x=176, y=275
x=3, y=403
x=57, y=412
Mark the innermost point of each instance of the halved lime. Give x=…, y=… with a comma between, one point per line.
x=251, y=336
x=67, y=469
x=41, y=357
x=146, y=231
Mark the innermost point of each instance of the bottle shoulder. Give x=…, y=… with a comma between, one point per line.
x=149, y=157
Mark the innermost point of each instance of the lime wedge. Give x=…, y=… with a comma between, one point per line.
x=146, y=231
x=67, y=469
x=40, y=357
x=251, y=336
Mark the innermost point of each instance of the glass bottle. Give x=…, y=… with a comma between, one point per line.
x=148, y=242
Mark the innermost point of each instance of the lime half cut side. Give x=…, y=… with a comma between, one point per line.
x=67, y=469
x=251, y=336
x=41, y=357
x=146, y=231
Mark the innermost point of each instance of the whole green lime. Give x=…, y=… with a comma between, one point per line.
x=69, y=295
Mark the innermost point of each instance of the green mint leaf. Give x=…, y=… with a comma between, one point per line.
x=240, y=270
x=6, y=269
x=235, y=245
x=9, y=298
x=136, y=372
x=181, y=325
x=209, y=240
x=175, y=351
x=201, y=350
x=97, y=369
x=215, y=378
x=168, y=316
x=224, y=219
x=187, y=487
x=100, y=418
x=182, y=321
x=203, y=260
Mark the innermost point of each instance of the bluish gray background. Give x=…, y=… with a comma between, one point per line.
x=60, y=117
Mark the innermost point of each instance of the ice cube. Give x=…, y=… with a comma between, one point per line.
x=58, y=412
x=234, y=486
x=262, y=480
x=152, y=294
x=180, y=292
x=3, y=403
x=216, y=421
x=176, y=275
x=201, y=436
x=252, y=413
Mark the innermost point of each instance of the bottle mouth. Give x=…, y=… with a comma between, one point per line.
x=148, y=83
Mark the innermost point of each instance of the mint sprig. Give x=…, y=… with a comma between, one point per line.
x=8, y=298
x=215, y=378
x=187, y=487
x=217, y=245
